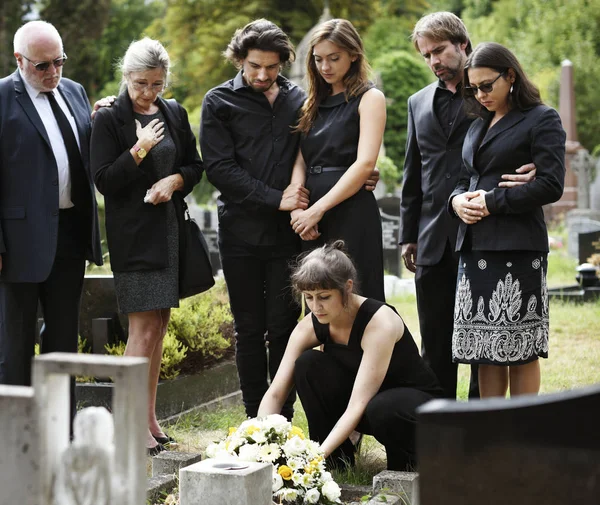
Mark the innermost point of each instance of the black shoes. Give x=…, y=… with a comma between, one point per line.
x=156, y=450
x=166, y=440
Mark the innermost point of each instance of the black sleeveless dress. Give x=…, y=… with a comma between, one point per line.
x=325, y=382
x=333, y=142
x=407, y=369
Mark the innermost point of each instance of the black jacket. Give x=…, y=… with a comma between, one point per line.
x=516, y=220
x=137, y=231
x=431, y=170
x=29, y=182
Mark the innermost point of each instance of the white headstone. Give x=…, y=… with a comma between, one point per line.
x=19, y=454
x=80, y=470
x=217, y=482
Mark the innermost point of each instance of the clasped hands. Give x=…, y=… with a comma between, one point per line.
x=470, y=207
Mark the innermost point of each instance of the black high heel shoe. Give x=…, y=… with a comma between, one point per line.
x=156, y=450
x=166, y=440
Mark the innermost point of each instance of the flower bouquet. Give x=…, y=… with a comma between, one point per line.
x=299, y=475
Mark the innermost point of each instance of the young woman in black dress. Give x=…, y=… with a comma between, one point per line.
x=342, y=122
x=369, y=377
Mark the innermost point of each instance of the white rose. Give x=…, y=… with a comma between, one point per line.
x=276, y=421
x=277, y=482
x=294, y=447
x=249, y=452
x=312, y=495
x=331, y=491
x=326, y=477
x=212, y=449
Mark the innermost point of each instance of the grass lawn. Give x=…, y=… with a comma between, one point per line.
x=574, y=362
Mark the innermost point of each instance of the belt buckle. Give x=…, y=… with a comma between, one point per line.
x=316, y=170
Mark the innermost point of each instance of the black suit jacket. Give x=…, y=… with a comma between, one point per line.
x=516, y=220
x=29, y=182
x=431, y=170
x=137, y=231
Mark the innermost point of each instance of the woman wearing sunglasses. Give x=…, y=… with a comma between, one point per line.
x=501, y=307
x=144, y=160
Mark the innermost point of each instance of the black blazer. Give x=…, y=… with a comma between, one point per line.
x=29, y=182
x=516, y=220
x=431, y=170
x=136, y=231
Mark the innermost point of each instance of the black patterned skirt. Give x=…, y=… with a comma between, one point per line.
x=501, y=308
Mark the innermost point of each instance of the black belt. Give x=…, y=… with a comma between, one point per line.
x=319, y=169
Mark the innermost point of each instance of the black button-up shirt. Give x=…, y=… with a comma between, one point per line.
x=249, y=149
x=446, y=106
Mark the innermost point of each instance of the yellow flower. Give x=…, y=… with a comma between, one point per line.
x=252, y=429
x=285, y=472
x=296, y=432
x=309, y=468
x=232, y=431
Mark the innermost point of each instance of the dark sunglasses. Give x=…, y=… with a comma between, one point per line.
x=42, y=66
x=488, y=87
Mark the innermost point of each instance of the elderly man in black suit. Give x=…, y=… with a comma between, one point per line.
x=48, y=215
x=437, y=125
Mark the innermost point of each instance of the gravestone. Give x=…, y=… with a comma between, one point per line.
x=389, y=208
x=58, y=457
x=208, y=222
x=589, y=244
x=580, y=221
x=20, y=457
x=527, y=450
x=219, y=482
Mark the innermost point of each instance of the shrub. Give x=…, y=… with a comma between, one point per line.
x=402, y=75
x=389, y=173
x=202, y=321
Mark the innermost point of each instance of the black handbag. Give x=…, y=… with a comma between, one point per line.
x=195, y=270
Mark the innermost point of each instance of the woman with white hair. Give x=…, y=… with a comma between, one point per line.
x=145, y=161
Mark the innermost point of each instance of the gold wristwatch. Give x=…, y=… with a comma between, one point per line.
x=139, y=151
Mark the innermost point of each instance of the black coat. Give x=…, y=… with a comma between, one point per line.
x=29, y=182
x=431, y=169
x=137, y=231
x=516, y=220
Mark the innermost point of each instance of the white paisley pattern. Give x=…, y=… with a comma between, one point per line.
x=502, y=334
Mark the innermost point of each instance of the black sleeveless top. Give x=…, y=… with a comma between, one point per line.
x=407, y=368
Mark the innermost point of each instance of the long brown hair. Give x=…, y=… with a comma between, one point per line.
x=343, y=34
x=524, y=93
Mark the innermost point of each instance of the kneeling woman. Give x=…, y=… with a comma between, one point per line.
x=369, y=377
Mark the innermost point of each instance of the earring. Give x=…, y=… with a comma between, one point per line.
x=511, y=89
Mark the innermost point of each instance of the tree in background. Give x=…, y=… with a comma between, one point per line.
x=12, y=14
x=402, y=75
x=80, y=24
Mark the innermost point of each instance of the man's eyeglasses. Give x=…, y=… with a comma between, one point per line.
x=142, y=86
x=42, y=66
x=487, y=87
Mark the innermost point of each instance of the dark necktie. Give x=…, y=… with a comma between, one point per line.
x=79, y=184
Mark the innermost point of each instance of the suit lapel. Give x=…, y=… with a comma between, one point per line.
x=474, y=135
x=513, y=117
x=81, y=123
x=430, y=115
x=25, y=101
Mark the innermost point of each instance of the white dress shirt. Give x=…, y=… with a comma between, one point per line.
x=42, y=105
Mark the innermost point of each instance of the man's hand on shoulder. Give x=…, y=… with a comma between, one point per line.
x=107, y=101
x=295, y=196
x=372, y=181
x=409, y=255
x=522, y=175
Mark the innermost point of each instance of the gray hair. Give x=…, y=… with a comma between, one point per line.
x=142, y=55
x=24, y=34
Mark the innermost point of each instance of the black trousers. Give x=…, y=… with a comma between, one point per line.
x=436, y=291
x=325, y=386
x=264, y=313
x=59, y=296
